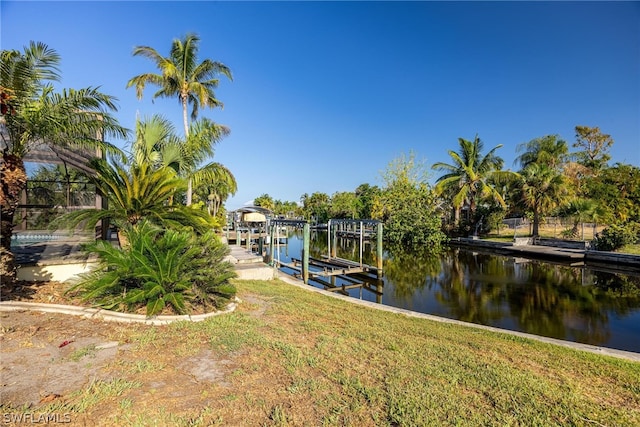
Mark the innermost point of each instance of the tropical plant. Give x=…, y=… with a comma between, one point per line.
x=215, y=194
x=287, y=209
x=616, y=236
x=316, y=206
x=549, y=150
x=539, y=191
x=344, y=204
x=407, y=206
x=543, y=186
x=467, y=181
x=203, y=135
x=183, y=77
x=617, y=188
x=366, y=194
x=580, y=210
x=137, y=192
x=264, y=201
x=34, y=115
x=157, y=143
x=158, y=269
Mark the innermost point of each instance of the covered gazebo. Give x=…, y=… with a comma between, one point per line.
x=249, y=217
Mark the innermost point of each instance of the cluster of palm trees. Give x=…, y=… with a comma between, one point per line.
x=156, y=179
x=548, y=181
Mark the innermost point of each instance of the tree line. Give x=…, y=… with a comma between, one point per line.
x=170, y=180
x=474, y=193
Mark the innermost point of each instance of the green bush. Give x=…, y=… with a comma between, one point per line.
x=616, y=236
x=159, y=268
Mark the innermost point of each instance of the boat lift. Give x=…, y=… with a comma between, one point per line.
x=330, y=265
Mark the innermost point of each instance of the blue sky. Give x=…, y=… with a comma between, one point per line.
x=326, y=94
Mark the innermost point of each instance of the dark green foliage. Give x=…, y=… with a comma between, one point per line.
x=617, y=189
x=160, y=268
x=616, y=236
x=472, y=176
x=316, y=207
x=409, y=217
x=491, y=218
x=407, y=207
x=366, y=195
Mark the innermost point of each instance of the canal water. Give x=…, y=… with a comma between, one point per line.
x=573, y=303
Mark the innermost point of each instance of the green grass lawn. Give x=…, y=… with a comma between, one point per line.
x=630, y=249
x=297, y=357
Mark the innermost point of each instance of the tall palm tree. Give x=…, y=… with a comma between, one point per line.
x=543, y=186
x=548, y=150
x=540, y=190
x=183, y=77
x=34, y=115
x=467, y=180
x=157, y=144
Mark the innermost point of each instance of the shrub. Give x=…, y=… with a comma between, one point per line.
x=616, y=236
x=159, y=268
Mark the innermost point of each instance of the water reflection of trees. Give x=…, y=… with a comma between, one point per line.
x=471, y=286
x=536, y=297
x=550, y=300
x=408, y=272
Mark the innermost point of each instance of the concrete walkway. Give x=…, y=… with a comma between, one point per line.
x=250, y=266
x=553, y=253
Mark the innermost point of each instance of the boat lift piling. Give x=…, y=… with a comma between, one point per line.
x=351, y=228
x=330, y=265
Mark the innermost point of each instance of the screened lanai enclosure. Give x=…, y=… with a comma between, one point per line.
x=57, y=183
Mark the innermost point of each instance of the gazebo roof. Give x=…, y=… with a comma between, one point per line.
x=258, y=209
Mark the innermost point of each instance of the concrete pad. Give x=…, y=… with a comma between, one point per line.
x=255, y=272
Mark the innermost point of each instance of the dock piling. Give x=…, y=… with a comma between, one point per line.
x=305, y=253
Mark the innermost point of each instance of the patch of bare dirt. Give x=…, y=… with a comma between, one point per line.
x=47, y=357
x=49, y=292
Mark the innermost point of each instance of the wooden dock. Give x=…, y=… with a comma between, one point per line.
x=326, y=270
x=327, y=267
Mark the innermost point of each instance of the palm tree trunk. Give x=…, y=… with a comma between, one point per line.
x=189, y=192
x=536, y=223
x=14, y=179
x=185, y=117
x=185, y=120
